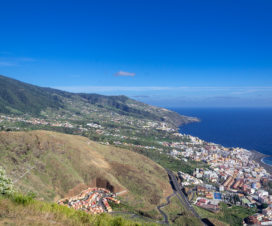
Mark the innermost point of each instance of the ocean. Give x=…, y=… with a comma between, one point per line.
x=249, y=128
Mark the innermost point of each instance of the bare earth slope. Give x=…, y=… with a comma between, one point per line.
x=54, y=165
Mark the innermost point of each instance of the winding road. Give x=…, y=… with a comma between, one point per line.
x=166, y=221
x=182, y=198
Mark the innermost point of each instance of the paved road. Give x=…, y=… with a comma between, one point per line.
x=180, y=194
x=166, y=221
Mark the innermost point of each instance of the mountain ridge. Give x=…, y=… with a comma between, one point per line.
x=18, y=98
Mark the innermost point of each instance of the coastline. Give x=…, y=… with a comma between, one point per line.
x=258, y=157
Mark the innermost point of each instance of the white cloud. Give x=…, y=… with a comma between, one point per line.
x=124, y=73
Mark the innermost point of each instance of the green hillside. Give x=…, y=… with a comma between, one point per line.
x=18, y=97
x=21, y=98
x=24, y=211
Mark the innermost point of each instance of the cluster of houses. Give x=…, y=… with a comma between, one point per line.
x=187, y=179
x=211, y=205
x=232, y=169
x=94, y=125
x=263, y=218
x=91, y=200
x=232, y=177
x=36, y=121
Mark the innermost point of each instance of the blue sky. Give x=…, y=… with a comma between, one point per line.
x=167, y=53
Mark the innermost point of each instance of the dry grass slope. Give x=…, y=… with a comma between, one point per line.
x=54, y=165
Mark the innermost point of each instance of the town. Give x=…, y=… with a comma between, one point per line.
x=91, y=200
x=231, y=175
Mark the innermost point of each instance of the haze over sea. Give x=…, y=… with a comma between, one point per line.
x=249, y=128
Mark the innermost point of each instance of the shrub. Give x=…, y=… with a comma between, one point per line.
x=6, y=187
x=22, y=199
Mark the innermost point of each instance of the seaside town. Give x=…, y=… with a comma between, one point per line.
x=92, y=200
x=232, y=176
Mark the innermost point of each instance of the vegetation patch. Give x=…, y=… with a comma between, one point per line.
x=24, y=210
x=233, y=216
x=178, y=215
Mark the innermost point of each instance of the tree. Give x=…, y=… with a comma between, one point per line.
x=6, y=186
x=263, y=206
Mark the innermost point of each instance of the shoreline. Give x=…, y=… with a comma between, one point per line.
x=258, y=157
